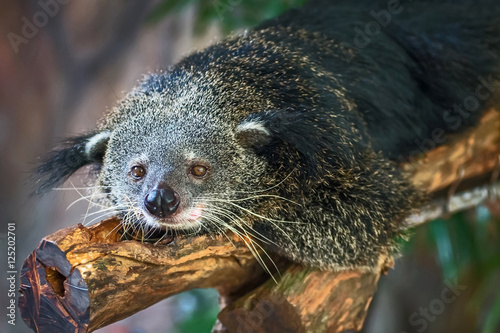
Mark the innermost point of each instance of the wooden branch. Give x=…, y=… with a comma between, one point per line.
x=80, y=279
x=470, y=156
x=88, y=267
x=460, y=174
x=306, y=300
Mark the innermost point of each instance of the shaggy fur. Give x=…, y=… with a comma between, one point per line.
x=300, y=122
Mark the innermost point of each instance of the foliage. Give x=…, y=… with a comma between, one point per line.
x=198, y=310
x=229, y=14
x=466, y=247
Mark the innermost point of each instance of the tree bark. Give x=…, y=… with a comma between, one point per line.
x=80, y=279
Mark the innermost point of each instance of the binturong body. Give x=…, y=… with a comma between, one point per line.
x=292, y=133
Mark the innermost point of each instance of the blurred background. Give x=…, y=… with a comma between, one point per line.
x=64, y=63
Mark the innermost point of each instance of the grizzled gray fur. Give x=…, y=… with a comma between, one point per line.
x=290, y=133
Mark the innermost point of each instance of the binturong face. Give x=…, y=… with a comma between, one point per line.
x=175, y=169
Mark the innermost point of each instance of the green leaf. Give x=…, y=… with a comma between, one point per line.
x=166, y=7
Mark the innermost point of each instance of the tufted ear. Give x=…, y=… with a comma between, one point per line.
x=252, y=133
x=63, y=161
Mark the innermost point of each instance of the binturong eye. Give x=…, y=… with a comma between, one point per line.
x=199, y=171
x=137, y=172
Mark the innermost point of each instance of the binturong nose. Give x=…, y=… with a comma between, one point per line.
x=162, y=201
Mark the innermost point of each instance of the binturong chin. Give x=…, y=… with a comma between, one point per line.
x=290, y=133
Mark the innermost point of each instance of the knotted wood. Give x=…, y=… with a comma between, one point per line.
x=83, y=278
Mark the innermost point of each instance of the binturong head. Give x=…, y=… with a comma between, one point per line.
x=170, y=163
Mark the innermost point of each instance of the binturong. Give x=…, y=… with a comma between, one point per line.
x=292, y=133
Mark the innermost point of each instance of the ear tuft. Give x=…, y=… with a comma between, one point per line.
x=252, y=134
x=96, y=145
x=75, y=153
